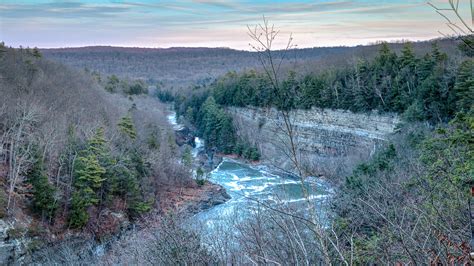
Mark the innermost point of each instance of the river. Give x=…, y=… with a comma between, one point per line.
x=251, y=187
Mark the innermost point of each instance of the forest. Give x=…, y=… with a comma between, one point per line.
x=431, y=87
x=237, y=132
x=75, y=156
x=410, y=202
x=180, y=67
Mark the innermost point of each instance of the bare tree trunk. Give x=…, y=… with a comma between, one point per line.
x=19, y=152
x=263, y=35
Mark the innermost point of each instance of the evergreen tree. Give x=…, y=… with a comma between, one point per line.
x=90, y=173
x=209, y=121
x=464, y=88
x=125, y=184
x=97, y=144
x=88, y=180
x=43, y=202
x=408, y=58
x=126, y=127
x=405, y=81
x=187, y=157
x=37, y=53
x=113, y=84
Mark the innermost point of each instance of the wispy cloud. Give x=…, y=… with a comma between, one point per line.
x=60, y=9
x=220, y=4
x=216, y=22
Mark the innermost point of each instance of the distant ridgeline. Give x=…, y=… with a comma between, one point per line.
x=179, y=66
x=431, y=87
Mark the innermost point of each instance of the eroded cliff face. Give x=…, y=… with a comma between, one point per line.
x=330, y=142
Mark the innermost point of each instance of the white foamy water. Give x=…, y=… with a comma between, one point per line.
x=198, y=146
x=173, y=121
x=249, y=186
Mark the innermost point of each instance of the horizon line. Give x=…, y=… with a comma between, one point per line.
x=378, y=42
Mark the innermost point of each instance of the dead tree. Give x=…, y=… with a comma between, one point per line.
x=459, y=25
x=263, y=36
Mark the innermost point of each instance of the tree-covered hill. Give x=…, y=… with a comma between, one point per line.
x=72, y=153
x=188, y=66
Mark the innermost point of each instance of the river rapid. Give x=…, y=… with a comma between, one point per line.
x=252, y=187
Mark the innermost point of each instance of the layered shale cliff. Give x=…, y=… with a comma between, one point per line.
x=330, y=142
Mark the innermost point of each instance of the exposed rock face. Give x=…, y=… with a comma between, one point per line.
x=184, y=136
x=331, y=142
x=13, y=243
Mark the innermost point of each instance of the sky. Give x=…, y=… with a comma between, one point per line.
x=214, y=23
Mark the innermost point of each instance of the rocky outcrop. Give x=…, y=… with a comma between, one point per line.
x=14, y=242
x=330, y=142
x=213, y=195
x=189, y=200
x=184, y=136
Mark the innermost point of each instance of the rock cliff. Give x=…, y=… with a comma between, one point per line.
x=330, y=142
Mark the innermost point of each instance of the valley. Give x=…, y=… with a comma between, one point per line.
x=344, y=155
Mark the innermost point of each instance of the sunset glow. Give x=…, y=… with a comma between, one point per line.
x=213, y=23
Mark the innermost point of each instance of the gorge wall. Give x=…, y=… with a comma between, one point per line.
x=330, y=142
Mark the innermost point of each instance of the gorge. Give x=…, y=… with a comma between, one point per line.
x=329, y=140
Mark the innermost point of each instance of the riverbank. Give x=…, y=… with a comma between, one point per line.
x=191, y=200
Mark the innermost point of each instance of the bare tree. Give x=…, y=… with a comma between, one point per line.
x=19, y=149
x=459, y=25
x=264, y=36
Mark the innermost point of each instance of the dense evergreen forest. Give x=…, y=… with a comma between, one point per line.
x=431, y=87
x=213, y=124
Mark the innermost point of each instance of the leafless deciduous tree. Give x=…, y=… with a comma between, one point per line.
x=20, y=141
x=459, y=25
x=264, y=35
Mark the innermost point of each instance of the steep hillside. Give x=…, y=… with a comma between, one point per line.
x=77, y=161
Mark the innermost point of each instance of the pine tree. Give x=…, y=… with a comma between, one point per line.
x=113, y=84
x=43, y=202
x=226, y=135
x=437, y=55
x=37, y=53
x=408, y=59
x=464, y=88
x=97, y=144
x=124, y=182
x=405, y=80
x=88, y=180
x=210, y=121
x=126, y=127
x=90, y=173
